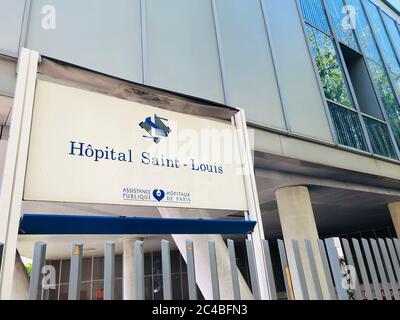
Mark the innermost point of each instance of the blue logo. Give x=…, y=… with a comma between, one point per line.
x=158, y=194
x=156, y=128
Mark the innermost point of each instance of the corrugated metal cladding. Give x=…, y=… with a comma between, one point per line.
x=246, y=53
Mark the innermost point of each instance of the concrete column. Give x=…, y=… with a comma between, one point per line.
x=202, y=262
x=128, y=269
x=394, y=209
x=298, y=223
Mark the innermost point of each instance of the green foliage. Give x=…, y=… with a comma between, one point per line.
x=28, y=267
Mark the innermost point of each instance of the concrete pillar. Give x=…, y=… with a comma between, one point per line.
x=394, y=209
x=128, y=269
x=298, y=223
x=202, y=262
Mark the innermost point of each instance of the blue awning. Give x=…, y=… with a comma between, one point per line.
x=50, y=224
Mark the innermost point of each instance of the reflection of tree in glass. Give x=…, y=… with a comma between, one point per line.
x=330, y=71
x=387, y=96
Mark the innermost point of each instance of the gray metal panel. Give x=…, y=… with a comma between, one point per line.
x=372, y=270
x=11, y=16
x=363, y=270
x=298, y=82
x=75, y=272
x=300, y=269
x=213, y=270
x=350, y=261
x=109, y=270
x=252, y=269
x=381, y=270
x=313, y=269
x=105, y=37
x=166, y=270
x=285, y=269
x=249, y=74
x=327, y=270
x=38, y=261
x=389, y=269
x=336, y=270
x=234, y=274
x=394, y=258
x=139, y=259
x=182, y=52
x=191, y=272
x=8, y=76
x=270, y=271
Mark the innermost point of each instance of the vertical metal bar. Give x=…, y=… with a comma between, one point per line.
x=166, y=270
x=270, y=271
x=191, y=270
x=372, y=270
x=75, y=272
x=363, y=270
x=394, y=258
x=350, y=261
x=313, y=269
x=1, y=254
x=389, y=269
x=336, y=269
x=397, y=246
x=234, y=274
x=252, y=269
x=38, y=262
x=109, y=270
x=300, y=269
x=139, y=258
x=327, y=270
x=214, y=269
x=285, y=270
x=381, y=270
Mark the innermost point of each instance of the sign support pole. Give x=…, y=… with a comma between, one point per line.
x=254, y=212
x=15, y=167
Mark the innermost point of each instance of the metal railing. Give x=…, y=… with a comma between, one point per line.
x=353, y=270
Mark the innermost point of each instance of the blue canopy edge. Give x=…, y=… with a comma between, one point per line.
x=51, y=224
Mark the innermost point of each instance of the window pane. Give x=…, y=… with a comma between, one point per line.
x=382, y=38
x=348, y=127
x=394, y=32
x=329, y=68
x=380, y=138
x=314, y=13
x=345, y=35
x=364, y=33
x=387, y=96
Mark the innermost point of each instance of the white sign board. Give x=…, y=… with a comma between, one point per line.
x=93, y=148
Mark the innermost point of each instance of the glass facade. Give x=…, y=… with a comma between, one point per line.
x=373, y=36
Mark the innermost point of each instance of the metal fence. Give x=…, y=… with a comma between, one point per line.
x=354, y=270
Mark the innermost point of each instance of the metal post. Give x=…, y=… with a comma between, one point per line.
x=327, y=270
x=38, y=262
x=1, y=254
x=109, y=270
x=300, y=270
x=252, y=268
x=270, y=271
x=392, y=279
x=313, y=269
x=191, y=270
x=234, y=274
x=394, y=258
x=363, y=271
x=213, y=270
x=285, y=270
x=75, y=272
x=381, y=270
x=166, y=270
x=336, y=269
x=372, y=269
x=139, y=257
x=350, y=261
